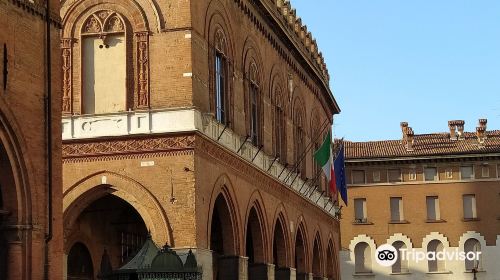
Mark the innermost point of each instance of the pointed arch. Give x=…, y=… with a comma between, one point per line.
x=301, y=252
x=317, y=256
x=281, y=252
x=331, y=260
x=223, y=199
x=256, y=229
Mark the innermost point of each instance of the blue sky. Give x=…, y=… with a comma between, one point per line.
x=421, y=61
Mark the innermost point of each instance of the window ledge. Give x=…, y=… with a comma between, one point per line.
x=363, y=274
x=399, y=222
x=479, y=271
x=471, y=219
x=362, y=223
x=400, y=273
x=435, y=221
x=439, y=272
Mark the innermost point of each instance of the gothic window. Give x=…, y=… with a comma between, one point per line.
x=221, y=78
x=254, y=105
x=279, y=126
x=104, y=63
x=299, y=141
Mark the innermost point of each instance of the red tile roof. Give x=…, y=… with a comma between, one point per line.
x=424, y=145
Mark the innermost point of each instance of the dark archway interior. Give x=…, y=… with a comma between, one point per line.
x=8, y=206
x=300, y=261
x=279, y=246
x=80, y=265
x=254, y=239
x=316, y=261
x=330, y=263
x=110, y=224
x=221, y=238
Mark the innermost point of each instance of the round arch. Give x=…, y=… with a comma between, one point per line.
x=83, y=193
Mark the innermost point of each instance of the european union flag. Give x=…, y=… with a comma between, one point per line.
x=339, y=169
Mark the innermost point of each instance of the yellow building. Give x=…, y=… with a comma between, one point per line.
x=426, y=193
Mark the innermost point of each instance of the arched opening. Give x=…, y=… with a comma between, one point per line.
x=109, y=224
x=317, y=259
x=472, y=249
x=401, y=266
x=300, y=255
x=434, y=264
x=280, y=251
x=299, y=136
x=257, y=268
x=225, y=266
x=8, y=206
x=363, y=258
x=80, y=265
x=330, y=262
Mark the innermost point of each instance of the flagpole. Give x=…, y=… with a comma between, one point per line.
x=309, y=147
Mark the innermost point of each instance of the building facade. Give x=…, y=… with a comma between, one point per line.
x=195, y=121
x=30, y=156
x=425, y=193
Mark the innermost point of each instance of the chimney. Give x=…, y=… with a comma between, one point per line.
x=481, y=135
x=404, y=129
x=460, y=128
x=483, y=123
x=409, y=138
x=452, y=125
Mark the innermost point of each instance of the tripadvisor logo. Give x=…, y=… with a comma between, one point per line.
x=387, y=255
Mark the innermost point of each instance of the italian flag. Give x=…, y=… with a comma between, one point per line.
x=324, y=158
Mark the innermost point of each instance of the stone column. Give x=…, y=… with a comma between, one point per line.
x=261, y=271
x=285, y=273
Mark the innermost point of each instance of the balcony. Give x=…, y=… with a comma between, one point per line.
x=185, y=120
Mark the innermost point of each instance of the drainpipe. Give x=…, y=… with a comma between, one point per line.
x=48, y=120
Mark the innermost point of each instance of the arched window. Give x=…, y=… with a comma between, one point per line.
x=254, y=105
x=104, y=61
x=401, y=266
x=279, y=125
x=472, y=249
x=363, y=258
x=299, y=139
x=435, y=265
x=221, y=100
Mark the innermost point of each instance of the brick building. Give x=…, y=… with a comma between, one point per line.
x=30, y=157
x=190, y=119
x=428, y=193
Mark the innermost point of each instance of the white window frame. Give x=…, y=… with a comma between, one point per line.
x=485, y=171
x=398, y=202
x=473, y=205
x=437, y=213
x=364, y=214
x=448, y=173
x=412, y=174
